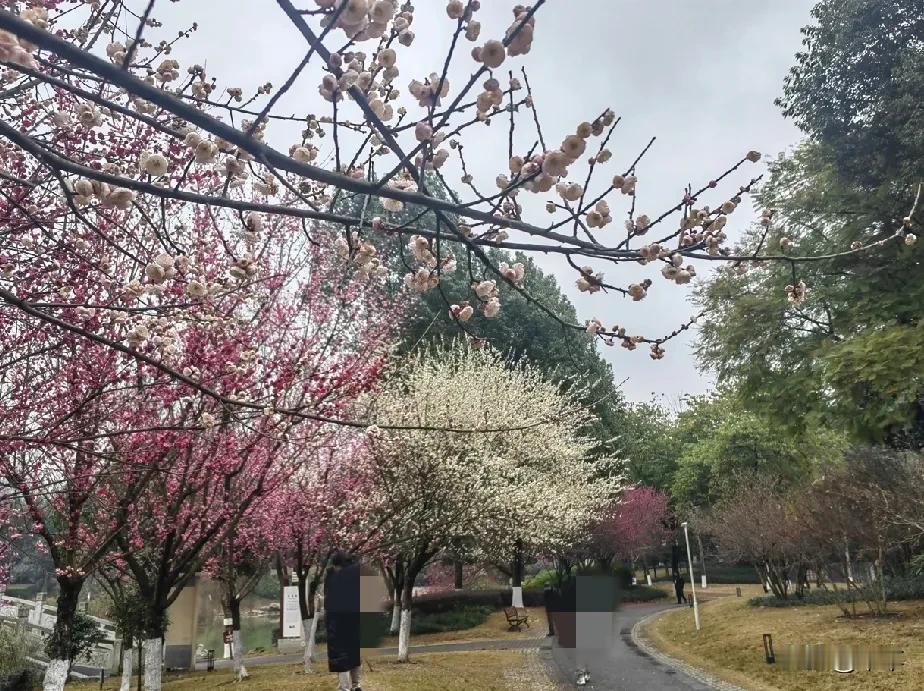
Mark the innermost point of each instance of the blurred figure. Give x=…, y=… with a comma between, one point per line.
x=582, y=613
x=342, y=620
x=679, y=582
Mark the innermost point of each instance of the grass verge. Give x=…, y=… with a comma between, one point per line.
x=730, y=647
x=505, y=670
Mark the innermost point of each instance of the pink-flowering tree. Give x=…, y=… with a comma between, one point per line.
x=240, y=306
x=634, y=528
x=242, y=559
x=326, y=508
x=73, y=454
x=302, y=354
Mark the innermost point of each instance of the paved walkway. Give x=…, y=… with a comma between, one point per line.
x=623, y=666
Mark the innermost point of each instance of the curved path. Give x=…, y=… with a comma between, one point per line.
x=624, y=666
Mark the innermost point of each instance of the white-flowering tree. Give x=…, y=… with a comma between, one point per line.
x=527, y=482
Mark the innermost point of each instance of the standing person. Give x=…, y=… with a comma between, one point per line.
x=678, y=588
x=342, y=620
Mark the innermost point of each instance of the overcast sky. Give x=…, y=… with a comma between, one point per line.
x=701, y=75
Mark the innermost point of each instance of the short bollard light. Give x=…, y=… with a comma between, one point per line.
x=768, y=649
x=738, y=592
x=210, y=660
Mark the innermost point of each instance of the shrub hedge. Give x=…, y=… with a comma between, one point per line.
x=641, y=593
x=903, y=588
x=497, y=598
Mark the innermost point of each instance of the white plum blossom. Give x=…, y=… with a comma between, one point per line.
x=589, y=282
x=492, y=54
x=513, y=273
x=455, y=9
x=462, y=312
x=197, y=289
x=492, y=308
x=421, y=280
x=155, y=164
x=485, y=289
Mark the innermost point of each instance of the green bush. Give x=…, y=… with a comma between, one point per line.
x=641, y=593
x=15, y=669
x=85, y=635
x=455, y=620
x=546, y=577
x=466, y=617
x=904, y=588
x=459, y=599
x=623, y=574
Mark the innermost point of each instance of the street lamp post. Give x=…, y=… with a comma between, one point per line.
x=686, y=535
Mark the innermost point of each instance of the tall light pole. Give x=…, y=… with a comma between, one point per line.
x=686, y=534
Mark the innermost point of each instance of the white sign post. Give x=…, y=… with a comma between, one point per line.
x=227, y=649
x=291, y=614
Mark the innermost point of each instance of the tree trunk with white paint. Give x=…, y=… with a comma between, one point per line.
x=309, y=633
x=404, y=635
x=55, y=675
x=395, y=615
x=404, y=628
x=126, y=683
x=153, y=663
x=61, y=639
x=237, y=652
x=237, y=643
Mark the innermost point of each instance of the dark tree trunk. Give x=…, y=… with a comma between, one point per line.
x=457, y=574
x=675, y=559
x=68, y=599
x=282, y=573
x=702, y=555
x=234, y=609
x=518, y=566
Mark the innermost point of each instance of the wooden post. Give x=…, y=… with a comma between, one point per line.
x=768, y=649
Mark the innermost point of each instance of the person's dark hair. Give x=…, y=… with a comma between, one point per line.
x=341, y=558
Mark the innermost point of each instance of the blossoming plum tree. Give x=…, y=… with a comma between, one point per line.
x=326, y=508
x=634, y=527
x=105, y=434
x=529, y=483
x=148, y=268
x=65, y=101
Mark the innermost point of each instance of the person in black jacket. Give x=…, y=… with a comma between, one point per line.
x=342, y=620
x=679, y=582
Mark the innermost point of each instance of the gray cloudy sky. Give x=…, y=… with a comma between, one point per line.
x=701, y=75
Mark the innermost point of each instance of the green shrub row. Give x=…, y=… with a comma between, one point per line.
x=904, y=588
x=533, y=596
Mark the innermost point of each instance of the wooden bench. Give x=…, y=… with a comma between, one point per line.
x=516, y=618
